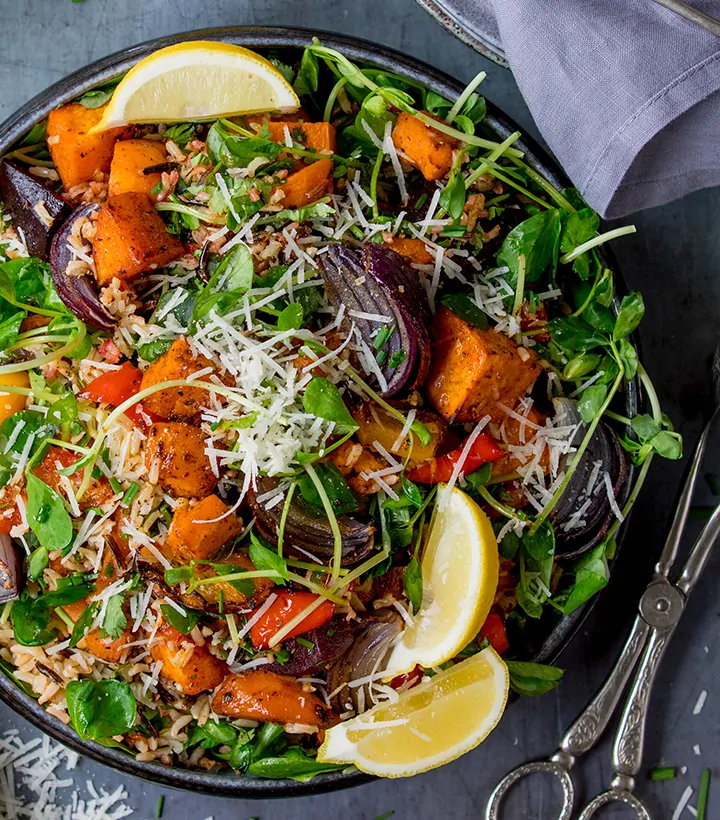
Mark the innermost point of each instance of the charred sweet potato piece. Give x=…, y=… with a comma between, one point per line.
x=472, y=370
x=107, y=649
x=194, y=532
x=307, y=185
x=191, y=667
x=414, y=250
x=77, y=154
x=177, y=402
x=175, y=459
x=130, y=159
x=131, y=238
x=428, y=149
x=262, y=695
x=377, y=425
x=9, y=511
x=318, y=135
x=98, y=493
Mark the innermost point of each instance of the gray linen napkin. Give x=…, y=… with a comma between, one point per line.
x=625, y=92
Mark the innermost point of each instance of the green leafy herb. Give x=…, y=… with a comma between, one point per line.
x=532, y=679
x=294, y=763
x=323, y=399
x=83, y=623
x=632, y=309
x=591, y=575
x=290, y=317
x=46, y=515
x=413, y=583
x=591, y=401
x=100, y=709
x=308, y=76
x=184, y=624
x=466, y=309
x=114, y=620
x=266, y=559
x=538, y=240
x=336, y=487
x=663, y=773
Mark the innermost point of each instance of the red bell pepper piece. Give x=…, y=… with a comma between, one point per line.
x=494, y=630
x=117, y=386
x=411, y=678
x=437, y=470
x=283, y=609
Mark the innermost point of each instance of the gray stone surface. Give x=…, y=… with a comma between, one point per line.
x=674, y=258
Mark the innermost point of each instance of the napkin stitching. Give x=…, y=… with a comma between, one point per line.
x=680, y=175
x=684, y=77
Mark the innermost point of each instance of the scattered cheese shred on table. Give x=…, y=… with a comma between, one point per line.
x=32, y=765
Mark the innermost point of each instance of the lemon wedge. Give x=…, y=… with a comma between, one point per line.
x=429, y=725
x=198, y=80
x=460, y=568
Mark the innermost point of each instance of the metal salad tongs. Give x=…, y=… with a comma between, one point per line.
x=660, y=608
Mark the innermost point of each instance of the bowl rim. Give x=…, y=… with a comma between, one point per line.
x=265, y=37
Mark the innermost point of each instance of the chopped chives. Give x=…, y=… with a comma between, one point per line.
x=381, y=356
x=663, y=773
x=421, y=200
x=159, y=806
x=130, y=494
x=221, y=602
x=305, y=642
x=115, y=485
x=703, y=794
x=383, y=335
x=397, y=358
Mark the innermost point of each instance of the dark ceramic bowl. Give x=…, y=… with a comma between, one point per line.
x=551, y=636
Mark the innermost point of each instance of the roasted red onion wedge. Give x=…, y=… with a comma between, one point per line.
x=309, y=532
x=35, y=209
x=603, y=456
x=10, y=570
x=376, y=281
x=366, y=657
x=79, y=293
x=328, y=643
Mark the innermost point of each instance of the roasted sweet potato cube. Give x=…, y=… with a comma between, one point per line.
x=194, y=532
x=175, y=459
x=107, y=649
x=414, y=250
x=191, y=667
x=472, y=370
x=318, y=135
x=259, y=694
x=307, y=185
x=428, y=149
x=177, y=402
x=131, y=238
x=77, y=154
x=130, y=159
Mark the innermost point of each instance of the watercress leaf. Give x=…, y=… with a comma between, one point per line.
x=434, y=104
x=294, y=763
x=538, y=240
x=591, y=401
x=212, y=733
x=63, y=411
x=411, y=492
x=452, y=198
x=46, y=514
x=178, y=575
x=181, y=133
x=575, y=198
x=30, y=621
x=413, y=583
x=235, y=272
x=9, y=329
x=308, y=76
x=243, y=585
x=645, y=427
x=266, y=559
x=114, y=620
x=31, y=423
x=154, y=350
x=336, y=487
x=572, y=333
x=540, y=544
x=83, y=623
x=532, y=679
x=632, y=309
x=466, y=309
x=39, y=559
x=668, y=445
x=184, y=624
x=509, y=545
x=591, y=575
x=628, y=357
x=316, y=210
x=291, y=317
x=581, y=365
x=97, y=97
x=475, y=108
x=479, y=477
x=100, y=709
x=578, y=228
x=73, y=591
x=600, y=317
x=323, y=399
x=604, y=290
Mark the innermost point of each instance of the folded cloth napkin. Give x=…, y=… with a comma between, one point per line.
x=625, y=92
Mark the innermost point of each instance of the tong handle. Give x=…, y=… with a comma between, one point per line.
x=590, y=725
x=699, y=554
